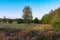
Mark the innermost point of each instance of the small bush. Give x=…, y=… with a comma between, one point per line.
x=19, y=21
x=36, y=20
x=10, y=21
x=56, y=24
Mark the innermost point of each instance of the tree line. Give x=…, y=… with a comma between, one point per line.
x=19, y=20
x=26, y=17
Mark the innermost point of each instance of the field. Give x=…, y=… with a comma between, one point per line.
x=18, y=26
x=27, y=26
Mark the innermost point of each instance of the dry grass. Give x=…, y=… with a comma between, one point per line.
x=42, y=27
x=17, y=26
x=27, y=26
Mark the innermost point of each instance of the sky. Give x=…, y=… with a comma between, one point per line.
x=14, y=8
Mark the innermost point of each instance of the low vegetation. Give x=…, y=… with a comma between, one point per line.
x=15, y=34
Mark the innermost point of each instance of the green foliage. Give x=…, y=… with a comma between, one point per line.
x=27, y=21
x=27, y=15
x=10, y=21
x=36, y=20
x=46, y=20
x=4, y=20
x=19, y=21
x=56, y=24
x=0, y=19
x=51, y=17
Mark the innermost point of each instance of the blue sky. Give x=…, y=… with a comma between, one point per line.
x=13, y=8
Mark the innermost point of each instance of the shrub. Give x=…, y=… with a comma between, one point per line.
x=36, y=20
x=19, y=21
x=4, y=20
x=10, y=21
x=56, y=24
